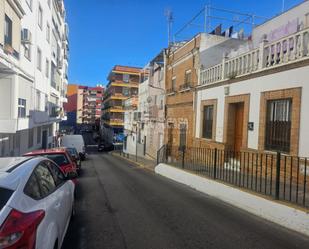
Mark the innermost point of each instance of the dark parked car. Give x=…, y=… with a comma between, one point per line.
x=101, y=147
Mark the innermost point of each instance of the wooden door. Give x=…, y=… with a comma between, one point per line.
x=239, y=124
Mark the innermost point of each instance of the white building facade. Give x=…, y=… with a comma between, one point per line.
x=33, y=71
x=257, y=99
x=144, y=127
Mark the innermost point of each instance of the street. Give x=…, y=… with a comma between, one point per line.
x=120, y=205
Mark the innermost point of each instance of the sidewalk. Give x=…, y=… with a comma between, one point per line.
x=144, y=162
x=294, y=218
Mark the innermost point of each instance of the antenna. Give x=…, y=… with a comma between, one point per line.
x=283, y=6
x=169, y=17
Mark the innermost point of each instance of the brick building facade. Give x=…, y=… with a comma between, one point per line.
x=180, y=79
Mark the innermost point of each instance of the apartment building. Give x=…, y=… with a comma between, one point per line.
x=256, y=99
x=33, y=69
x=84, y=105
x=123, y=83
x=90, y=101
x=131, y=116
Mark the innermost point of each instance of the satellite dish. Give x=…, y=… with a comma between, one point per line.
x=149, y=99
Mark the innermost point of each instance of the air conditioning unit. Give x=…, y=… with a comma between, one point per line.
x=26, y=36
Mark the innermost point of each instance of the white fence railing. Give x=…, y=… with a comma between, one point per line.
x=286, y=50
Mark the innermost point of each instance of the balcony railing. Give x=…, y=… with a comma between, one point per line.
x=185, y=87
x=170, y=91
x=287, y=50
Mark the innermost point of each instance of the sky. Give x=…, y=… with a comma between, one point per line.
x=104, y=33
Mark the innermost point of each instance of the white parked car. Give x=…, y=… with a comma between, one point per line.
x=77, y=142
x=36, y=203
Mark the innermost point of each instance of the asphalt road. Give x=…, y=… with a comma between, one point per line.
x=122, y=206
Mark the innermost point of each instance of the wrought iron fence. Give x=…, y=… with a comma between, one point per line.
x=280, y=176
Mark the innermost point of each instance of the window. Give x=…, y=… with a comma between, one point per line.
x=45, y=179
x=48, y=33
x=27, y=51
x=174, y=84
x=161, y=73
x=56, y=172
x=39, y=59
x=50, y=130
x=126, y=78
x=29, y=2
x=40, y=17
x=30, y=138
x=60, y=159
x=278, y=125
x=46, y=103
x=188, y=78
x=183, y=136
x=126, y=91
x=53, y=75
x=8, y=31
x=21, y=108
x=47, y=69
x=208, y=121
x=32, y=188
x=38, y=100
x=38, y=135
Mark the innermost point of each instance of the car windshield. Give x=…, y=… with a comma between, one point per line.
x=72, y=151
x=5, y=195
x=59, y=159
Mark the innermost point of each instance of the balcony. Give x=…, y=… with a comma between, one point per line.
x=185, y=87
x=115, y=122
x=170, y=92
x=288, y=50
x=124, y=84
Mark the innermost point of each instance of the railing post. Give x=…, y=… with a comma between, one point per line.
x=223, y=73
x=215, y=163
x=158, y=153
x=183, y=157
x=262, y=54
x=278, y=175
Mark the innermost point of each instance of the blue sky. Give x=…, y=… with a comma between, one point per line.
x=104, y=33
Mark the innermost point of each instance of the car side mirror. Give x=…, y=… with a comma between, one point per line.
x=71, y=175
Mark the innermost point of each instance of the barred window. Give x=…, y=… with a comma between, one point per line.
x=278, y=125
x=208, y=121
x=174, y=84
x=183, y=136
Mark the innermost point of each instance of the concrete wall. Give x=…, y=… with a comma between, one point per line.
x=283, y=80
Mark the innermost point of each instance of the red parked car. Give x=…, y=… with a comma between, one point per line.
x=60, y=156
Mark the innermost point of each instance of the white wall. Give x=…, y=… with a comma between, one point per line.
x=287, y=79
x=131, y=144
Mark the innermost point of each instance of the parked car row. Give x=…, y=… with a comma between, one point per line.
x=37, y=194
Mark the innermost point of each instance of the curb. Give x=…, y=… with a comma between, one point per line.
x=134, y=162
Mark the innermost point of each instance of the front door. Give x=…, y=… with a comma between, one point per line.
x=239, y=124
x=44, y=140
